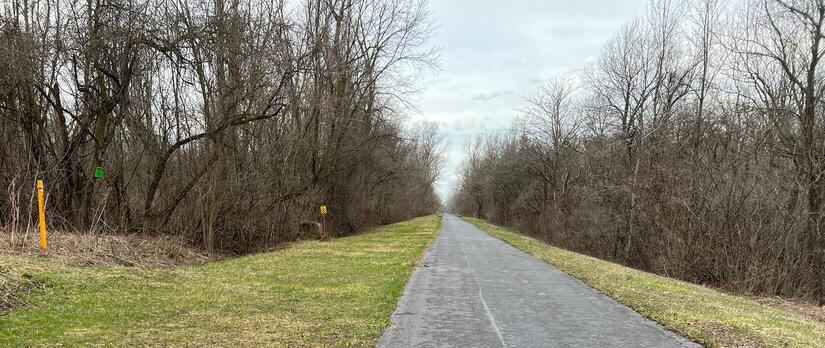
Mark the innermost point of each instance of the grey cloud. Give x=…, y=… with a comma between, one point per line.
x=490, y=96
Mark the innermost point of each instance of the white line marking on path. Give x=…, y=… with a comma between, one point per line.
x=484, y=303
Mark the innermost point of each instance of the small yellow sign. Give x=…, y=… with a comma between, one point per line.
x=323, y=210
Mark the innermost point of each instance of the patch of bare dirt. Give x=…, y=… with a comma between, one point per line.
x=727, y=337
x=12, y=286
x=801, y=307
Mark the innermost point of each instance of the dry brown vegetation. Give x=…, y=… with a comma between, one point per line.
x=796, y=306
x=692, y=147
x=222, y=123
x=90, y=249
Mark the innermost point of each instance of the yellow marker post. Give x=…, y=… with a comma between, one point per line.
x=41, y=205
x=324, y=214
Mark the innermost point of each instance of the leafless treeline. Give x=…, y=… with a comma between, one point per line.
x=693, y=147
x=226, y=121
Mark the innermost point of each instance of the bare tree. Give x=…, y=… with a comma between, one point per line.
x=188, y=106
x=694, y=146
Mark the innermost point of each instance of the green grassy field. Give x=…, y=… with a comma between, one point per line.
x=709, y=316
x=338, y=293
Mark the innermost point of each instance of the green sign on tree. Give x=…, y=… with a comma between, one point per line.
x=99, y=173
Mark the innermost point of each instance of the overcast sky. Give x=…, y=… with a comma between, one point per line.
x=494, y=53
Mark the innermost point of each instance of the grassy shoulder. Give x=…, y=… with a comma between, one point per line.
x=313, y=293
x=711, y=317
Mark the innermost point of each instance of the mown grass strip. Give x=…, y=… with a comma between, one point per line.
x=711, y=317
x=338, y=293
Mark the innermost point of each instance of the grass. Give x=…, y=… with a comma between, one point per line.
x=711, y=317
x=338, y=293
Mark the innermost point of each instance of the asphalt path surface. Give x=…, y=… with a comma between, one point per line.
x=473, y=290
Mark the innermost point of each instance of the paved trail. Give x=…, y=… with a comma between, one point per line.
x=472, y=290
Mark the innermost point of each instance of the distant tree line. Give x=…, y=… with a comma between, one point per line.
x=693, y=147
x=225, y=121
